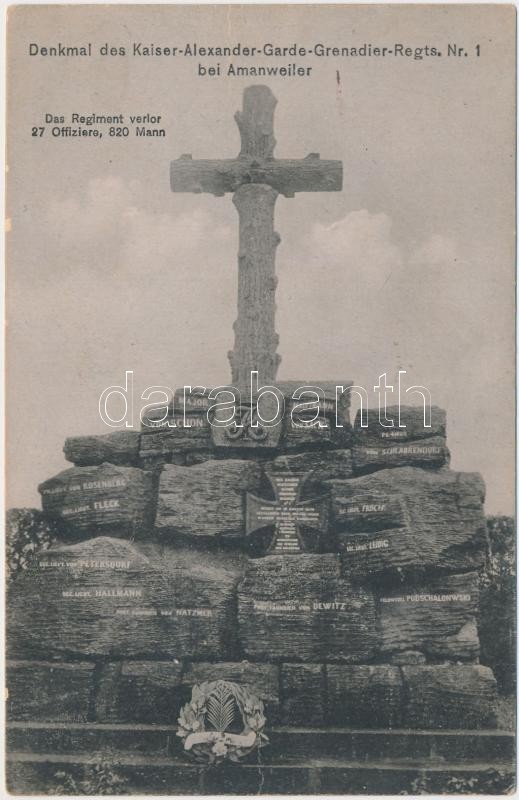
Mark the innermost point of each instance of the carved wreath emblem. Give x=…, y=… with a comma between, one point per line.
x=247, y=426
x=222, y=721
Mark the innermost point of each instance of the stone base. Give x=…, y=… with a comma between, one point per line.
x=148, y=759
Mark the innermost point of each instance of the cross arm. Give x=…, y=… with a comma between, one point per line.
x=286, y=176
x=313, y=513
x=259, y=513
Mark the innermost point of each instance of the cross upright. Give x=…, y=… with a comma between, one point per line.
x=286, y=513
x=256, y=178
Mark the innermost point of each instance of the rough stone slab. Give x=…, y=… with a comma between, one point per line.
x=298, y=608
x=120, y=448
x=105, y=499
x=141, y=692
x=364, y=696
x=449, y=696
x=378, y=447
x=437, y=618
x=106, y=597
x=49, y=691
x=429, y=453
x=261, y=679
x=334, y=403
x=409, y=519
x=193, y=437
x=322, y=466
x=206, y=500
x=301, y=437
x=302, y=692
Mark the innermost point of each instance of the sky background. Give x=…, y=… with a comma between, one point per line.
x=411, y=266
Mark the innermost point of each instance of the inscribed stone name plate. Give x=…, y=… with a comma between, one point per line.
x=206, y=500
x=437, y=618
x=298, y=608
x=101, y=499
x=378, y=447
x=409, y=519
x=106, y=597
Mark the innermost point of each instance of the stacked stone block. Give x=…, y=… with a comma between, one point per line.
x=152, y=585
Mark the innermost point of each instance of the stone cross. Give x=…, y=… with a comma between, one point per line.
x=286, y=513
x=256, y=178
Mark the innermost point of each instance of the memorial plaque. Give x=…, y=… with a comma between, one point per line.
x=120, y=501
x=409, y=519
x=288, y=515
x=108, y=598
x=206, y=500
x=437, y=618
x=298, y=608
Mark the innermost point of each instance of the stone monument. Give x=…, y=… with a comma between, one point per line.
x=297, y=602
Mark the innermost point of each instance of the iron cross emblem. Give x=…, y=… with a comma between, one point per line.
x=287, y=512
